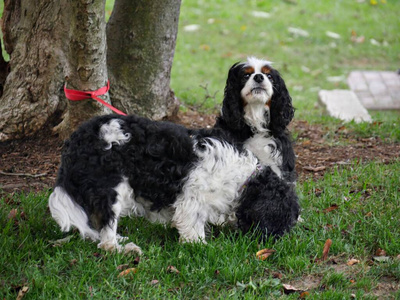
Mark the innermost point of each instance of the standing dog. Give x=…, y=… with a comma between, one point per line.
x=240, y=171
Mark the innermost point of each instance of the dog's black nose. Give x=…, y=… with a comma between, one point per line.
x=258, y=78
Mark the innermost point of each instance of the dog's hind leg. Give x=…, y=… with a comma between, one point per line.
x=109, y=239
x=68, y=214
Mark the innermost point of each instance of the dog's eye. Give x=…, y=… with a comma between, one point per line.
x=247, y=75
x=270, y=77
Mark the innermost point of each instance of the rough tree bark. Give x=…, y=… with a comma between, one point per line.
x=141, y=44
x=86, y=68
x=51, y=42
x=34, y=35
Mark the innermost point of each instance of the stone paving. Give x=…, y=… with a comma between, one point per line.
x=376, y=90
x=373, y=90
x=344, y=105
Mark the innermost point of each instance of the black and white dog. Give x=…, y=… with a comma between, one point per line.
x=241, y=171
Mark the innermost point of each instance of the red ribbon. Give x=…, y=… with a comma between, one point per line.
x=75, y=95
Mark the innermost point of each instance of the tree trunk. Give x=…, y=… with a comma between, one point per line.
x=86, y=69
x=141, y=44
x=3, y=71
x=34, y=34
x=53, y=42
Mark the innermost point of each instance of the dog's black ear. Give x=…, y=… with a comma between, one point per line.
x=281, y=109
x=232, y=106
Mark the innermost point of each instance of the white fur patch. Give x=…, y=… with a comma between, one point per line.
x=254, y=116
x=211, y=189
x=111, y=132
x=266, y=151
x=138, y=206
x=67, y=214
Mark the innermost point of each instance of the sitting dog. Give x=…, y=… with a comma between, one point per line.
x=240, y=171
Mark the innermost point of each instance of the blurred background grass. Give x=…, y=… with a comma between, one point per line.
x=230, y=31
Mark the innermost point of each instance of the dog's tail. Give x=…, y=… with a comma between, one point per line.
x=67, y=213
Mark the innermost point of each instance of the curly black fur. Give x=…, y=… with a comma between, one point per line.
x=271, y=201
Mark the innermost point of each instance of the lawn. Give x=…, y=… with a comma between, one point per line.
x=356, y=206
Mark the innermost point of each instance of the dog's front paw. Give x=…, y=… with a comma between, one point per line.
x=200, y=240
x=131, y=248
x=122, y=239
x=110, y=247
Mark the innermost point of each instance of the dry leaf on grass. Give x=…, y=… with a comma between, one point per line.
x=154, y=282
x=380, y=252
x=331, y=208
x=264, y=253
x=352, y=261
x=12, y=214
x=172, y=269
x=22, y=292
x=325, y=251
x=314, y=169
x=289, y=289
x=127, y=272
x=304, y=295
x=122, y=267
x=381, y=258
x=60, y=242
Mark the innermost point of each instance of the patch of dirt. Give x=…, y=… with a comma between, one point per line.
x=31, y=164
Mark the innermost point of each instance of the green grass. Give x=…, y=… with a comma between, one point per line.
x=366, y=193
x=366, y=218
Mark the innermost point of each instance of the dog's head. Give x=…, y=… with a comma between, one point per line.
x=256, y=98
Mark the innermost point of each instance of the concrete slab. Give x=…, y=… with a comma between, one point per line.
x=376, y=90
x=343, y=104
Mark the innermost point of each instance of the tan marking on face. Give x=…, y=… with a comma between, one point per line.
x=249, y=70
x=266, y=69
x=268, y=103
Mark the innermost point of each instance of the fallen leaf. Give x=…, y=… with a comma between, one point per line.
x=264, y=253
x=314, y=169
x=277, y=275
x=261, y=14
x=97, y=255
x=61, y=242
x=172, y=269
x=216, y=272
x=352, y=262
x=127, y=271
x=331, y=208
x=123, y=267
x=368, y=214
x=381, y=258
x=325, y=251
x=289, y=289
x=333, y=35
x=191, y=27
x=154, y=282
x=12, y=214
x=380, y=252
x=298, y=32
x=73, y=262
x=303, y=295
x=22, y=292
x=205, y=47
